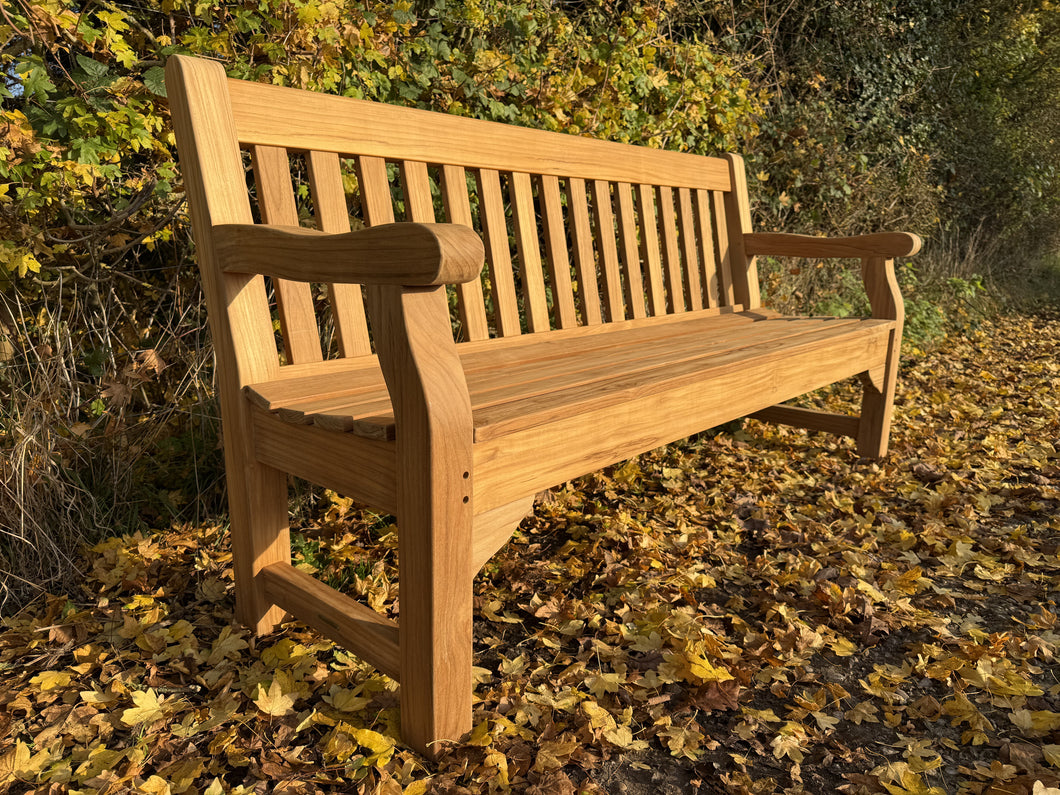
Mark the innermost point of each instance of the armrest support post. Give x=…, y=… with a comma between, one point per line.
x=432, y=413
x=881, y=285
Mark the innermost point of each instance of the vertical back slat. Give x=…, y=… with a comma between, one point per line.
x=584, y=259
x=706, y=247
x=294, y=300
x=521, y=192
x=498, y=255
x=721, y=240
x=458, y=211
x=416, y=187
x=649, y=244
x=671, y=255
x=688, y=246
x=375, y=191
x=556, y=248
x=627, y=230
x=329, y=204
x=605, y=242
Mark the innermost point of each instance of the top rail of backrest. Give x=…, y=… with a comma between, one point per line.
x=303, y=120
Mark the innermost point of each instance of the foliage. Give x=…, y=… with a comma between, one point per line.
x=94, y=244
x=936, y=116
x=755, y=613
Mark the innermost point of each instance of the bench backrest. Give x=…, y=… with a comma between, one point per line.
x=578, y=232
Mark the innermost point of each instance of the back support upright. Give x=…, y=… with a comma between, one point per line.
x=625, y=316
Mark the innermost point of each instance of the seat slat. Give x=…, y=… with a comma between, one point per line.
x=498, y=254
x=457, y=205
x=524, y=216
x=347, y=301
x=584, y=258
x=294, y=300
x=605, y=244
x=649, y=243
x=693, y=283
x=705, y=236
x=631, y=264
x=558, y=259
x=671, y=255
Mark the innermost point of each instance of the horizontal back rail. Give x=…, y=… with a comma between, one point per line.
x=275, y=116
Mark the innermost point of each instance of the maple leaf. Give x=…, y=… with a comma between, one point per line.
x=788, y=742
x=228, y=644
x=51, y=680
x=1036, y=723
x=380, y=746
x=601, y=684
x=912, y=784
x=148, y=708
x=1052, y=754
x=274, y=702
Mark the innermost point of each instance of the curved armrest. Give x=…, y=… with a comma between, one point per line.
x=884, y=244
x=409, y=254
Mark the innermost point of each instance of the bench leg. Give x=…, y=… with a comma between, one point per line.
x=257, y=499
x=877, y=406
x=435, y=624
x=432, y=411
x=877, y=402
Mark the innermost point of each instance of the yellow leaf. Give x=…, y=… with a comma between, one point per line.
x=381, y=746
x=226, y=645
x=275, y=702
x=51, y=680
x=788, y=742
x=843, y=647
x=912, y=784
x=1036, y=722
x=156, y=786
x=417, y=787
x=215, y=788
x=1052, y=754
x=622, y=736
x=346, y=699
x=148, y=708
x=600, y=684
x=599, y=718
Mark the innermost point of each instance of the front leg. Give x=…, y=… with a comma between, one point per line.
x=877, y=402
x=432, y=413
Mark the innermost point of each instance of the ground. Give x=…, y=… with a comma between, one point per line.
x=755, y=611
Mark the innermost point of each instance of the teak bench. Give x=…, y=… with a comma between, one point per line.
x=628, y=317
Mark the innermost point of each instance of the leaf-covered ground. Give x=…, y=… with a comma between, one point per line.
x=756, y=612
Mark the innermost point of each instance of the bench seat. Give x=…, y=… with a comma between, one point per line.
x=516, y=386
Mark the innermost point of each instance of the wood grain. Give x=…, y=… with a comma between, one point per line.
x=332, y=215
x=314, y=121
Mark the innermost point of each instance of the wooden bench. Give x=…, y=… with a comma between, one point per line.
x=625, y=316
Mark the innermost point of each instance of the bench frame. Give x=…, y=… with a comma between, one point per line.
x=456, y=505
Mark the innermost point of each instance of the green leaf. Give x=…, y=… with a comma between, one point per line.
x=155, y=80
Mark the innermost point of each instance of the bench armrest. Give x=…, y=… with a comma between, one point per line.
x=881, y=245
x=409, y=254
